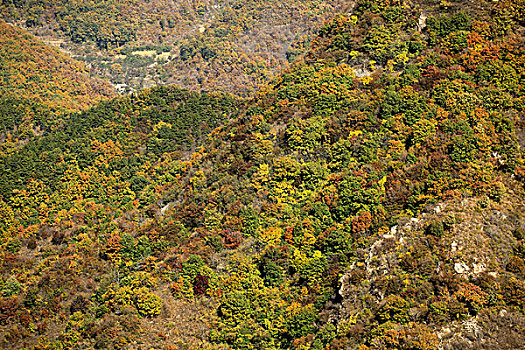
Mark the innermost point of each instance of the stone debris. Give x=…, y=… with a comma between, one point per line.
x=461, y=268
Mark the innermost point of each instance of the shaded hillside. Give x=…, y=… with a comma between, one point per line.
x=232, y=46
x=117, y=138
x=38, y=83
x=370, y=197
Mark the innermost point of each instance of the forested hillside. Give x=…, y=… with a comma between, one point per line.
x=232, y=46
x=38, y=84
x=112, y=163
x=371, y=196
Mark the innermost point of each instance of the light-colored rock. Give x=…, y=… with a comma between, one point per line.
x=359, y=73
x=393, y=230
x=493, y=274
x=345, y=284
x=121, y=88
x=461, y=268
x=164, y=209
x=472, y=329
x=163, y=56
x=422, y=21
x=144, y=53
x=478, y=268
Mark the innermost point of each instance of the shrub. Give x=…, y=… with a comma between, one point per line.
x=497, y=191
x=472, y=296
x=457, y=309
x=147, y=303
x=11, y=287
x=271, y=273
x=79, y=304
x=31, y=243
x=519, y=233
x=409, y=337
x=31, y=297
x=301, y=323
x=8, y=309
x=200, y=285
x=192, y=266
x=439, y=311
x=520, y=249
x=435, y=228
x=13, y=245
x=394, y=309
x=516, y=265
x=514, y=292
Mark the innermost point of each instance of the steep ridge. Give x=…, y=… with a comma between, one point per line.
x=370, y=197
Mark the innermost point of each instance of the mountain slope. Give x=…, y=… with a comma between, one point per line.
x=370, y=197
x=99, y=168
x=39, y=83
x=232, y=46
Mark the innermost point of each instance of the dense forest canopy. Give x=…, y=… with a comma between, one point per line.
x=370, y=196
